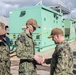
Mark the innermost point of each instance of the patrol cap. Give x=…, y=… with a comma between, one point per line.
x=32, y=22
x=2, y=29
x=55, y=31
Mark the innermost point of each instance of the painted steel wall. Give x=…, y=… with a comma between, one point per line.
x=69, y=23
x=46, y=18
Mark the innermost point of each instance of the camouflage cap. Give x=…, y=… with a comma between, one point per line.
x=2, y=29
x=55, y=31
x=32, y=22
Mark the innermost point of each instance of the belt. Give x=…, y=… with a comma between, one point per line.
x=26, y=60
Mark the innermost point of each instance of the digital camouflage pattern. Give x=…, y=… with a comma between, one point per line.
x=62, y=60
x=4, y=59
x=25, y=51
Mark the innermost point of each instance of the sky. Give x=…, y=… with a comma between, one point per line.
x=7, y=5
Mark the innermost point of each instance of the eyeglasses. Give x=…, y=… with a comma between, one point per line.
x=34, y=28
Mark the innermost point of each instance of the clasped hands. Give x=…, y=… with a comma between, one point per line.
x=39, y=59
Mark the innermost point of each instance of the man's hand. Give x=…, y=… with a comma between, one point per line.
x=39, y=59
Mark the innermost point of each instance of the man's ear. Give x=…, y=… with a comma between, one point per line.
x=57, y=35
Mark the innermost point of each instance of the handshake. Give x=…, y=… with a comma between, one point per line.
x=39, y=59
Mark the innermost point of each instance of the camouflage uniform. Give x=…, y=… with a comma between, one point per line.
x=62, y=60
x=25, y=51
x=4, y=59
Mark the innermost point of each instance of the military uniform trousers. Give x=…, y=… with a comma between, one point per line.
x=27, y=68
x=5, y=67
